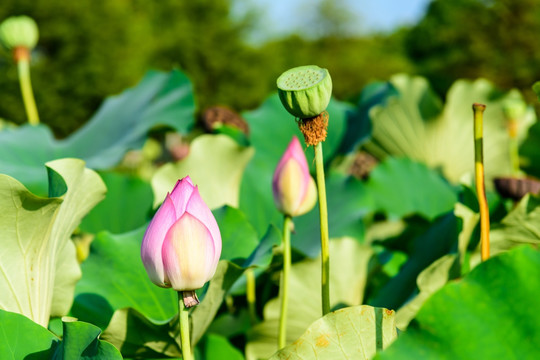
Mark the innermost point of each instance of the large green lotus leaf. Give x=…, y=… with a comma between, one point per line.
x=81, y=341
x=215, y=163
x=348, y=200
x=259, y=259
x=36, y=253
x=415, y=124
x=520, y=226
x=356, y=332
x=147, y=340
x=114, y=270
x=529, y=155
x=239, y=238
x=216, y=347
x=426, y=246
x=490, y=314
x=271, y=130
x=120, y=124
x=67, y=274
x=92, y=308
x=429, y=281
x=139, y=337
x=349, y=268
x=136, y=335
x=264, y=252
x=21, y=338
x=230, y=324
x=358, y=123
x=401, y=187
x=469, y=224
x=441, y=271
x=126, y=206
x=202, y=316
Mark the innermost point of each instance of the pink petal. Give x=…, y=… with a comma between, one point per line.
x=188, y=254
x=198, y=208
x=288, y=194
x=309, y=200
x=181, y=194
x=153, y=241
x=294, y=150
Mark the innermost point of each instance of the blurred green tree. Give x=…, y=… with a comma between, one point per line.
x=496, y=39
x=91, y=49
x=87, y=49
x=202, y=38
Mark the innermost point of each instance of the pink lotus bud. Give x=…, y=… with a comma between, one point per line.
x=182, y=245
x=294, y=188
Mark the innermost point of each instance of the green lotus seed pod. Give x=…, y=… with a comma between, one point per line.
x=305, y=90
x=19, y=31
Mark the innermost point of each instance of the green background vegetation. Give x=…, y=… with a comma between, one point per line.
x=91, y=49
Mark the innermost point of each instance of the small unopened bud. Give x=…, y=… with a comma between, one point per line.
x=295, y=192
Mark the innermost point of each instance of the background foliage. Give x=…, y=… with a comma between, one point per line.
x=106, y=46
x=478, y=38
x=404, y=218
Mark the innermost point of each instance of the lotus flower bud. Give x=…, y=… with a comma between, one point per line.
x=182, y=245
x=294, y=189
x=305, y=91
x=19, y=31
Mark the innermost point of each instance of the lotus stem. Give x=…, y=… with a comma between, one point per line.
x=478, y=110
x=325, y=243
x=513, y=146
x=183, y=317
x=23, y=67
x=250, y=295
x=284, y=286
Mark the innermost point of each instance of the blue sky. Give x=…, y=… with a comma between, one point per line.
x=279, y=17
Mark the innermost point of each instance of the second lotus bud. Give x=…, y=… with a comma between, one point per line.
x=294, y=189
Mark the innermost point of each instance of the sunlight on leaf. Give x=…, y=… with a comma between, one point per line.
x=489, y=314
x=215, y=164
x=356, y=332
x=36, y=232
x=121, y=123
x=415, y=124
x=348, y=278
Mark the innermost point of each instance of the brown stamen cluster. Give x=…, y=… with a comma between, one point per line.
x=314, y=129
x=21, y=53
